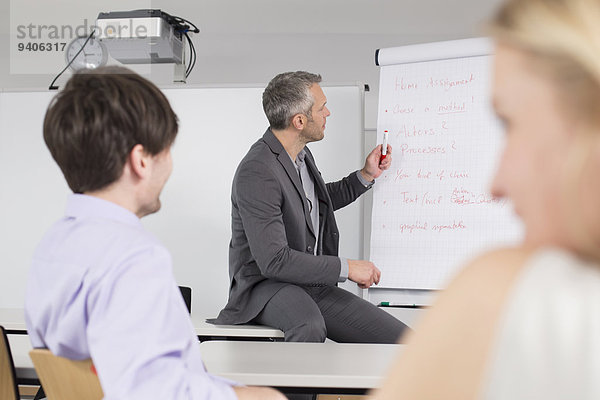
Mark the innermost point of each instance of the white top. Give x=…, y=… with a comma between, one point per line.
x=101, y=286
x=548, y=345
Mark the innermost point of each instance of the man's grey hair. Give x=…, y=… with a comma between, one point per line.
x=288, y=94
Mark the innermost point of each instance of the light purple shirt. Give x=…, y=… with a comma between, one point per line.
x=101, y=286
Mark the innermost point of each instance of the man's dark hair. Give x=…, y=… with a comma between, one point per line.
x=92, y=125
x=288, y=94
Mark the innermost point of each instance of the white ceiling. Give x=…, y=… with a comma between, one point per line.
x=380, y=17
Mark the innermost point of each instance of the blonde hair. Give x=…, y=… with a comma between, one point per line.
x=564, y=35
x=562, y=39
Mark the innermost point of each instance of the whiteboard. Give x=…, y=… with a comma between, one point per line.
x=217, y=127
x=432, y=211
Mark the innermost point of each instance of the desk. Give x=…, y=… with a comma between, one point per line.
x=292, y=367
x=207, y=331
x=366, y=364
x=342, y=368
x=20, y=346
x=13, y=320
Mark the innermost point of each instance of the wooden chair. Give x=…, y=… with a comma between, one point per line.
x=8, y=380
x=64, y=379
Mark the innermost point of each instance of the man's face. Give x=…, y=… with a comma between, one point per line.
x=315, y=127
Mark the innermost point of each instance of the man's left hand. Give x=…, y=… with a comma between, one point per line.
x=374, y=165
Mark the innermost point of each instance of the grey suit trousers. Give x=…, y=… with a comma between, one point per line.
x=311, y=314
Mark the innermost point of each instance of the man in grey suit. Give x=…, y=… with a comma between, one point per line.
x=283, y=256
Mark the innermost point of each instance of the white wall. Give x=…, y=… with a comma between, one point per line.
x=216, y=128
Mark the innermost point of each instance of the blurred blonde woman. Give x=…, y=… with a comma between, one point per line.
x=524, y=323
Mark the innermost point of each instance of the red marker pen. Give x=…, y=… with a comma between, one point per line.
x=384, y=146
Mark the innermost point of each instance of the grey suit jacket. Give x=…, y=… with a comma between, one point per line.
x=272, y=240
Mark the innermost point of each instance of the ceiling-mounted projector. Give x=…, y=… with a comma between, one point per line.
x=141, y=36
x=135, y=37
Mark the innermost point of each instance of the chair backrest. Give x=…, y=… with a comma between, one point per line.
x=64, y=379
x=8, y=380
x=186, y=292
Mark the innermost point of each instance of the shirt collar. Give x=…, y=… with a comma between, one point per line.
x=299, y=158
x=81, y=205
